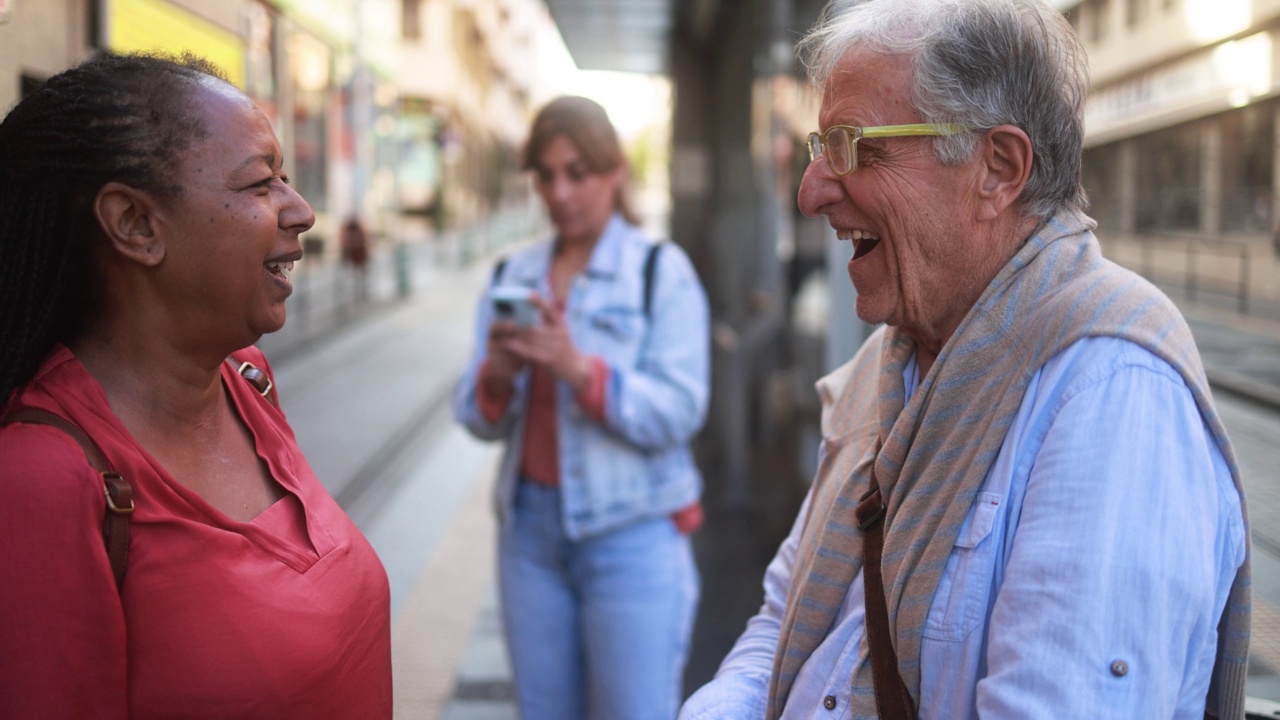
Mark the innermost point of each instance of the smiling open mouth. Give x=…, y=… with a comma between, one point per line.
x=280, y=268
x=863, y=241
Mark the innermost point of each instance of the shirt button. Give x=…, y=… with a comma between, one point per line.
x=829, y=702
x=1119, y=668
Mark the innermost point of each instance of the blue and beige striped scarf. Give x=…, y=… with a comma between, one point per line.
x=932, y=456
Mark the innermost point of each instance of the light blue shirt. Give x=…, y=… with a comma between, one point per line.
x=1088, y=578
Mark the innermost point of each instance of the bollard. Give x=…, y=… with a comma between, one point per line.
x=402, y=270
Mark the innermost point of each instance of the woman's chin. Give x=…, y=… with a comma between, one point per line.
x=269, y=324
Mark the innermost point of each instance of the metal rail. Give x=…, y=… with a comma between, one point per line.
x=1195, y=276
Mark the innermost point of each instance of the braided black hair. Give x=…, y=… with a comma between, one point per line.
x=124, y=118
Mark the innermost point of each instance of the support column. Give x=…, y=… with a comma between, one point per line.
x=1127, y=184
x=281, y=30
x=1211, y=176
x=1275, y=172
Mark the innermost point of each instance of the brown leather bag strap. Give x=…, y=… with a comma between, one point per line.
x=115, y=521
x=257, y=377
x=893, y=700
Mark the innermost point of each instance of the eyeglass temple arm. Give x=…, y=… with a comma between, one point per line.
x=917, y=129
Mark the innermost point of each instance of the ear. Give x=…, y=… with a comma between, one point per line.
x=618, y=175
x=1006, y=156
x=126, y=216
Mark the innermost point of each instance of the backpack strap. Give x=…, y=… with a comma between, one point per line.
x=119, y=493
x=498, y=267
x=650, y=269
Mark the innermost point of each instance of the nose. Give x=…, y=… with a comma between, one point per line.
x=296, y=215
x=558, y=188
x=819, y=188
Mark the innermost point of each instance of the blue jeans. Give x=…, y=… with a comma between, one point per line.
x=599, y=627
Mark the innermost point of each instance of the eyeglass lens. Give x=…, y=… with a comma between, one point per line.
x=836, y=146
x=839, y=150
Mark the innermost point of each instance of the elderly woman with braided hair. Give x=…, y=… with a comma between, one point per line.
x=148, y=231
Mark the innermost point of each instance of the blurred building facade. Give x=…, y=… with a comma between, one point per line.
x=386, y=109
x=322, y=70
x=1181, y=121
x=471, y=75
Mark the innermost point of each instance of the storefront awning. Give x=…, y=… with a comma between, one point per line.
x=622, y=35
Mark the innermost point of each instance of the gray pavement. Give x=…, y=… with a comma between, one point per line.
x=365, y=387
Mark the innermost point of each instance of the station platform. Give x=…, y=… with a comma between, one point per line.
x=366, y=388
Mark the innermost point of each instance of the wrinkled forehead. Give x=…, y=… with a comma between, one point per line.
x=874, y=85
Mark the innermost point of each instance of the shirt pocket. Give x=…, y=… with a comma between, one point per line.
x=616, y=333
x=964, y=590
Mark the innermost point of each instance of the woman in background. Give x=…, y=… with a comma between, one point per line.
x=597, y=402
x=148, y=234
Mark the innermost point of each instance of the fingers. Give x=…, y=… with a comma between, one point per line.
x=550, y=314
x=502, y=329
x=527, y=348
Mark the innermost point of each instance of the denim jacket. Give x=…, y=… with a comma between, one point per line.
x=637, y=464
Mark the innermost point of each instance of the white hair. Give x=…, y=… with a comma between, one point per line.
x=979, y=63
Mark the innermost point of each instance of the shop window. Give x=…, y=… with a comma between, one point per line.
x=1101, y=183
x=1248, y=142
x=411, y=19
x=29, y=85
x=93, y=24
x=1168, y=180
x=260, y=64
x=311, y=63
x=1100, y=25
x=1073, y=18
x=1135, y=12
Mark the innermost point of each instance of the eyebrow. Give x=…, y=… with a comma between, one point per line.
x=267, y=158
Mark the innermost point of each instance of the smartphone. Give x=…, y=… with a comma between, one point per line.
x=511, y=302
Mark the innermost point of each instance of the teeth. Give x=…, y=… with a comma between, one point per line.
x=280, y=268
x=855, y=235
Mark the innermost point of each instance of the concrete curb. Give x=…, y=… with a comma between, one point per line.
x=1244, y=386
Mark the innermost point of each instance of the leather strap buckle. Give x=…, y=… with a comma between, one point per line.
x=119, y=493
x=256, y=377
x=870, y=510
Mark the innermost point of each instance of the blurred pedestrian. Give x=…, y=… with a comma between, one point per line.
x=354, y=244
x=597, y=401
x=148, y=234
x=1026, y=504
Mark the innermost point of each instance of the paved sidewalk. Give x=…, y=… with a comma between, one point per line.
x=1241, y=353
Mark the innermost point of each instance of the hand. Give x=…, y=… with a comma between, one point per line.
x=503, y=365
x=549, y=346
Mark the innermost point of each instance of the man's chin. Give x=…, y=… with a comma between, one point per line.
x=869, y=312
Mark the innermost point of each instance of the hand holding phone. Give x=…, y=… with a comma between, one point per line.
x=514, y=303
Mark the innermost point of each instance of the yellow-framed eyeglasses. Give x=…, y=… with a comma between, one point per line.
x=840, y=142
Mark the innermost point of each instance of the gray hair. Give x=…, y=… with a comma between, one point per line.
x=979, y=63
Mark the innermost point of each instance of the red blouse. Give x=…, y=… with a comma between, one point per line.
x=285, y=616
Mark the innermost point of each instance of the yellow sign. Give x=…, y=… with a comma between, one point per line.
x=151, y=25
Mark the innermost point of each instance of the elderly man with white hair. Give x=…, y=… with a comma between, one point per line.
x=1026, y=505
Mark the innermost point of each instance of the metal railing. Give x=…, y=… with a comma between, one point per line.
x=1203, y=259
